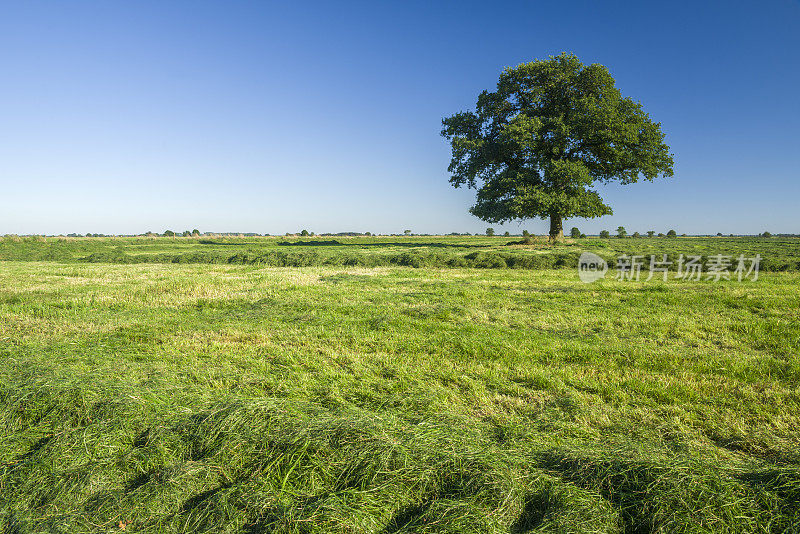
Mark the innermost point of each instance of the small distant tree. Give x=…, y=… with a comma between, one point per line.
x=650, y=233
x=507, y=233
x=186, y=233
x=196, y=232
x=490, y=231
x=304, y=233
x=574, y=233
x=719, y=234
x=526, y=233
x=636, y=234
x=407, y=232
x=367, y=233
x=766, y=234
x=660, y=234
x=621, y=232
x=169, y=233
x=88, y=234
x=583, y=236
x=605, y=234
x=672, y=233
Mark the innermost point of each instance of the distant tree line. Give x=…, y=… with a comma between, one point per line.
x=575, y=233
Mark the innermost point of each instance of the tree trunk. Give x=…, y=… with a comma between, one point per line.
x=556, y=229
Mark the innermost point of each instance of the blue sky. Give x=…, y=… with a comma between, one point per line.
x=123, y=117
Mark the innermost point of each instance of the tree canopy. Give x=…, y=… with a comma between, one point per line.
x=552, y=130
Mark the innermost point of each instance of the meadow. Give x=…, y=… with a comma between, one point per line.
x=498, y=252
x=386, y=385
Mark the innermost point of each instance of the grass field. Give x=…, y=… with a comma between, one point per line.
x=778, y=254
x=162, y=386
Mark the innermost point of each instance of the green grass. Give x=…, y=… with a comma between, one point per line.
x=778, y=254
x=242, y=398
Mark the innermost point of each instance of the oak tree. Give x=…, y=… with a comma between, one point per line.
x=552, y=130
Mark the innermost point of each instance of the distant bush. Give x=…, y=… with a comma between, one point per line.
x=672, y=233
x=605, y=234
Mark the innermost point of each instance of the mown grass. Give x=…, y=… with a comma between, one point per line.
x=777, y=254
x=243, y=398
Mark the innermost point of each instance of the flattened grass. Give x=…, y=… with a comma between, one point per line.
x=779, y=254
x=192, y=398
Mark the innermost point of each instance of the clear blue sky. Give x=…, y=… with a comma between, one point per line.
x=123, y=117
